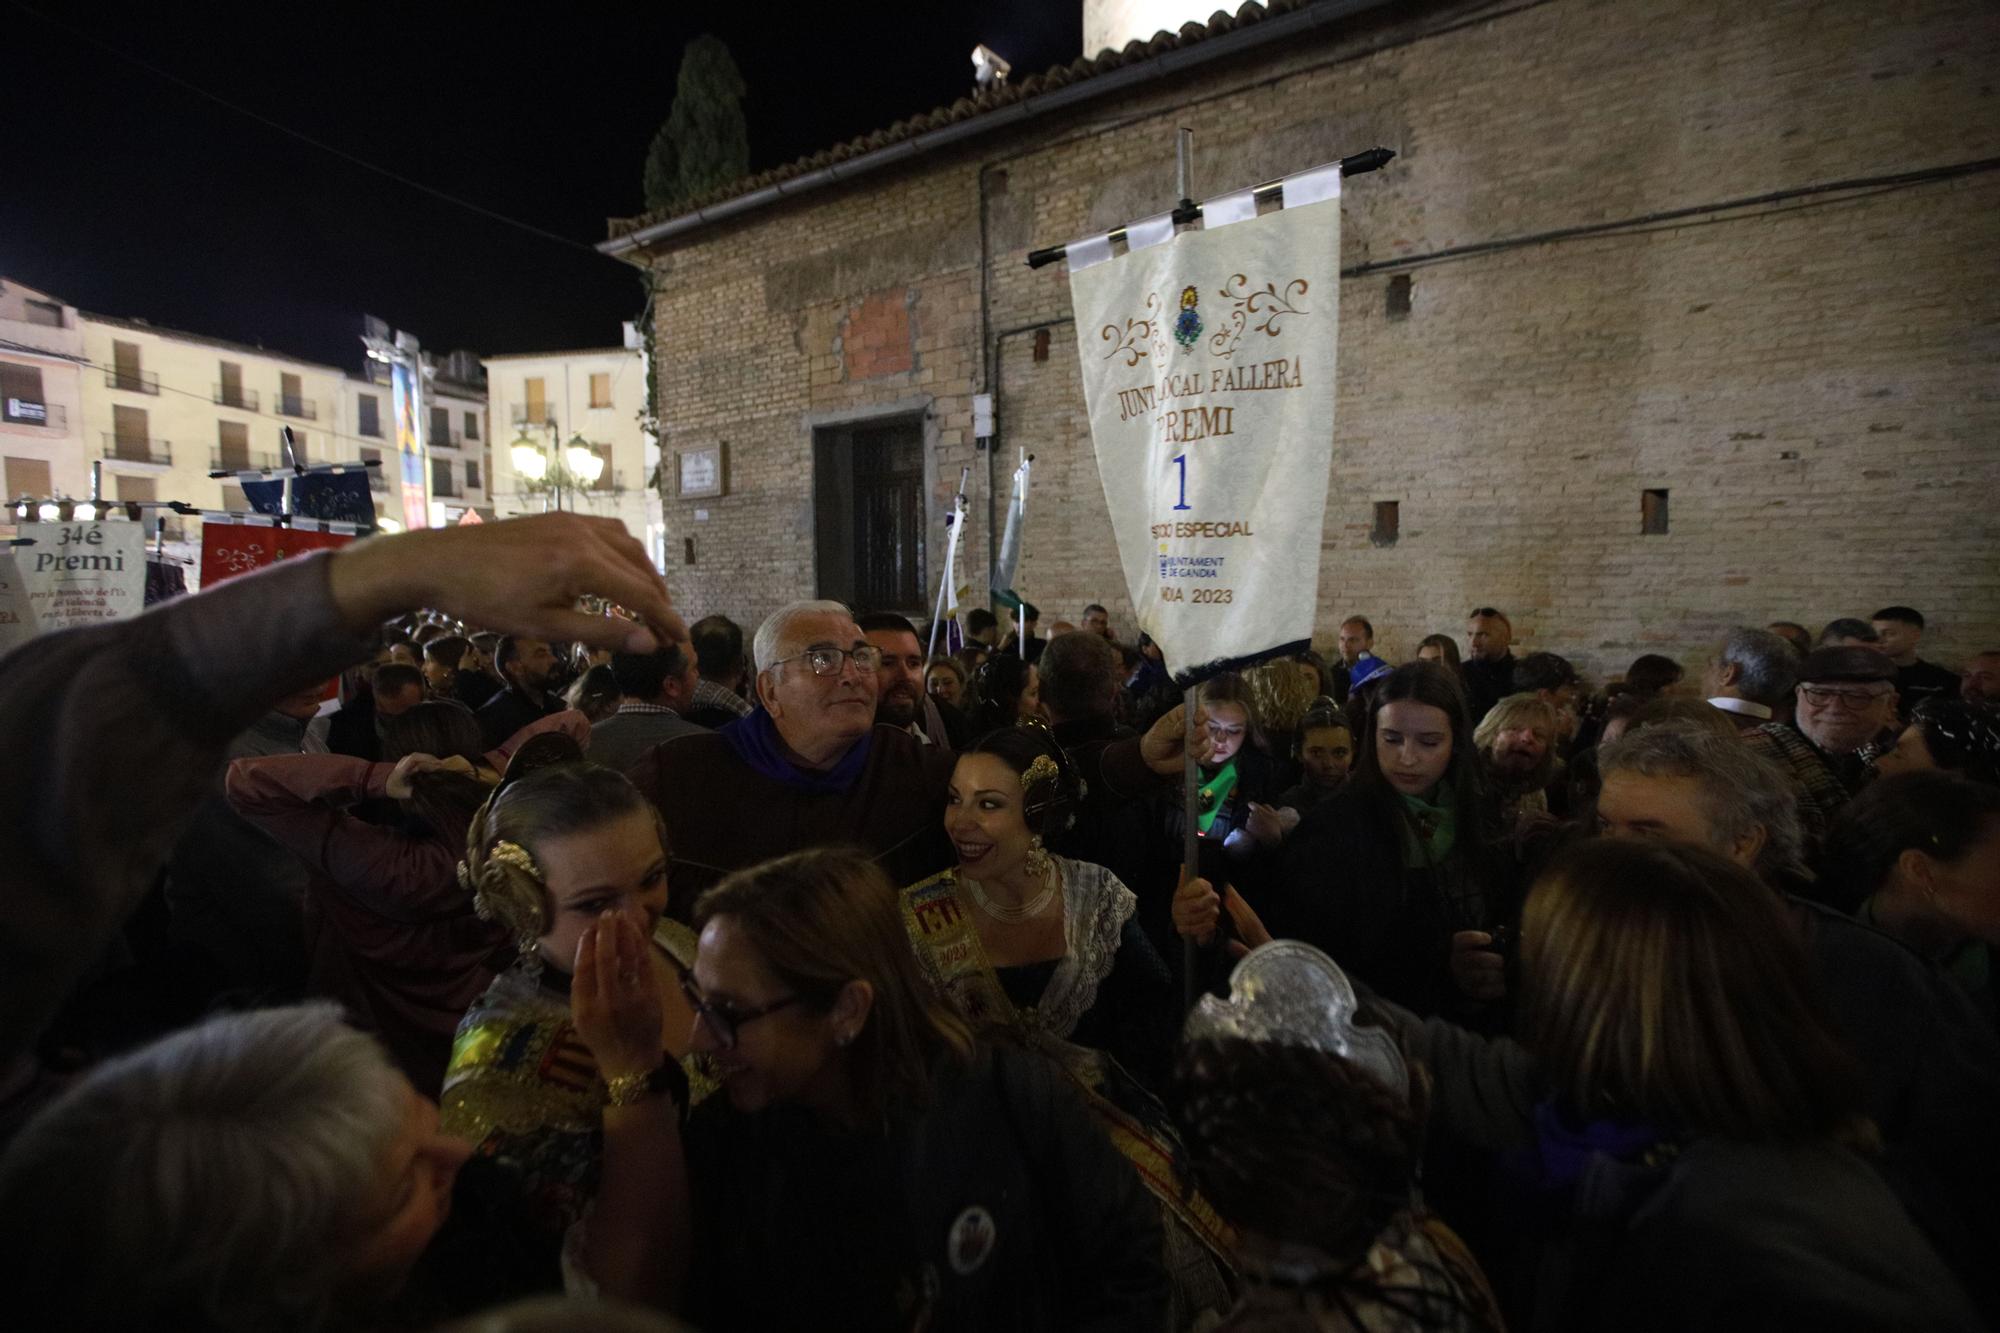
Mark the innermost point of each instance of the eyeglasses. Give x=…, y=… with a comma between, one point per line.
x=826, y=661
x=724, y=1021
x=1820, y=696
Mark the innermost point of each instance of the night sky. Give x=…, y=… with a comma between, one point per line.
x=127, y=195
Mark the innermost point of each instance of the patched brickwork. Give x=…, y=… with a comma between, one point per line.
x=1812, y=381
x=875, y=337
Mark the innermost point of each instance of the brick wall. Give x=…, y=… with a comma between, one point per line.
x=1813, y=381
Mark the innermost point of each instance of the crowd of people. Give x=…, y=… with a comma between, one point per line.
x=440, y=932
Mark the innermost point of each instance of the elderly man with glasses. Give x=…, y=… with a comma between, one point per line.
x=808, y=767
x=1845, y=716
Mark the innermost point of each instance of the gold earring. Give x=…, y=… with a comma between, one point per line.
x=1040, y=865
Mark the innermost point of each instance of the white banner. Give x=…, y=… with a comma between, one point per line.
x=17, y=614
x=83, y=573
x=1208, y=369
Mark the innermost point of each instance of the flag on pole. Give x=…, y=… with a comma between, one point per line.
x=948, y=591
x=1006, y=570
x=1208, y=371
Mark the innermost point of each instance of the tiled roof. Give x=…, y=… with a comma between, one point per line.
x=984, y=102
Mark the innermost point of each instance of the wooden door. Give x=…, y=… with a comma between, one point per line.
x=888, y=466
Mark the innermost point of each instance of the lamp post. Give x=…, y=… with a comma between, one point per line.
x=543, y=469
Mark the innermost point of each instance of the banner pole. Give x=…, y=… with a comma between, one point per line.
x=951, y=535
x=1191, y=774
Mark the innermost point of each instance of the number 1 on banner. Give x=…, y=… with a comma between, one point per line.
x=1181, y=461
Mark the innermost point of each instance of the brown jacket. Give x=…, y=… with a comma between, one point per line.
x=722, y=815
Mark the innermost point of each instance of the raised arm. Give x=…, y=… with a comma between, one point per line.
x=114, y=732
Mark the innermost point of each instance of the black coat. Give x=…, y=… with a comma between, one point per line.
x=1344, y=889
x=1003, y=1197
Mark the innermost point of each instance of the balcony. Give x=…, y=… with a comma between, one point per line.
x=240, y=460
x=445, y=441
x=304, y=409
x=133, y=381
x=137, y=449
x=531, y=414
x=231, y=395
x=371, y=429
x=42, y=416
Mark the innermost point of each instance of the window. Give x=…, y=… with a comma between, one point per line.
x=471, y=425
x=27, y=476
x=21, y=398
x=441, y=426
x=1652, y=512
x=377, y=479
x=230, y=392
x=130, y=436
x=233, y=498
x=606, y=480
x=291, y=397
x=125, y=364
x=135, y=488
x=232, y=446
x=369, y=410
x=45, y=313
x=441, y=478
x=1399, y=296
x=1388, y=521
x=534, y=401
x=300, y=455
x=600, y=389
x=472, y=482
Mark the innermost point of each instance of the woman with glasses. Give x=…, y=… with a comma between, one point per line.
x=572, y=861
x=872, y=1165
x=1050, y=950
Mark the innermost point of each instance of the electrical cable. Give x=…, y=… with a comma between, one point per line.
x=321, y=144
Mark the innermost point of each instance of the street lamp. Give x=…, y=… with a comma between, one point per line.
x=543, y=469
x=585, y=465
x=529, y=460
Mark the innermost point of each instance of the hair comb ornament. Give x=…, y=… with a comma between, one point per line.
x=515, y=855
x=1291, y=994
x=1044, y=769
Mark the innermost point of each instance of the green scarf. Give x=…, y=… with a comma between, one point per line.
x=1429, y=831
x=1215, y=792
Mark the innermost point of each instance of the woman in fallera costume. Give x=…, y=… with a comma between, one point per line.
x=1048, y=950
x=564, y=858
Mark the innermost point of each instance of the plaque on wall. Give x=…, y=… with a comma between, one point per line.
x=701, y=471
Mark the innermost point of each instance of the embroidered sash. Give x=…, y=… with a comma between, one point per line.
x=947, y=944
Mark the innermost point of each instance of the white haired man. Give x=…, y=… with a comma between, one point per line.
x=811, y=767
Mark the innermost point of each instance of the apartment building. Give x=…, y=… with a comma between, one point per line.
x=41, y=395
x=162, y=408
x=592, y=399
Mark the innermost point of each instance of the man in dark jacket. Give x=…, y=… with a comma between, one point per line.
x=900, y=697
x=528, y=666
x=1489, y=666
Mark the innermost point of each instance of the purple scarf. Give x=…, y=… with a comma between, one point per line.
x=1541, y=1182
x=757, y=743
